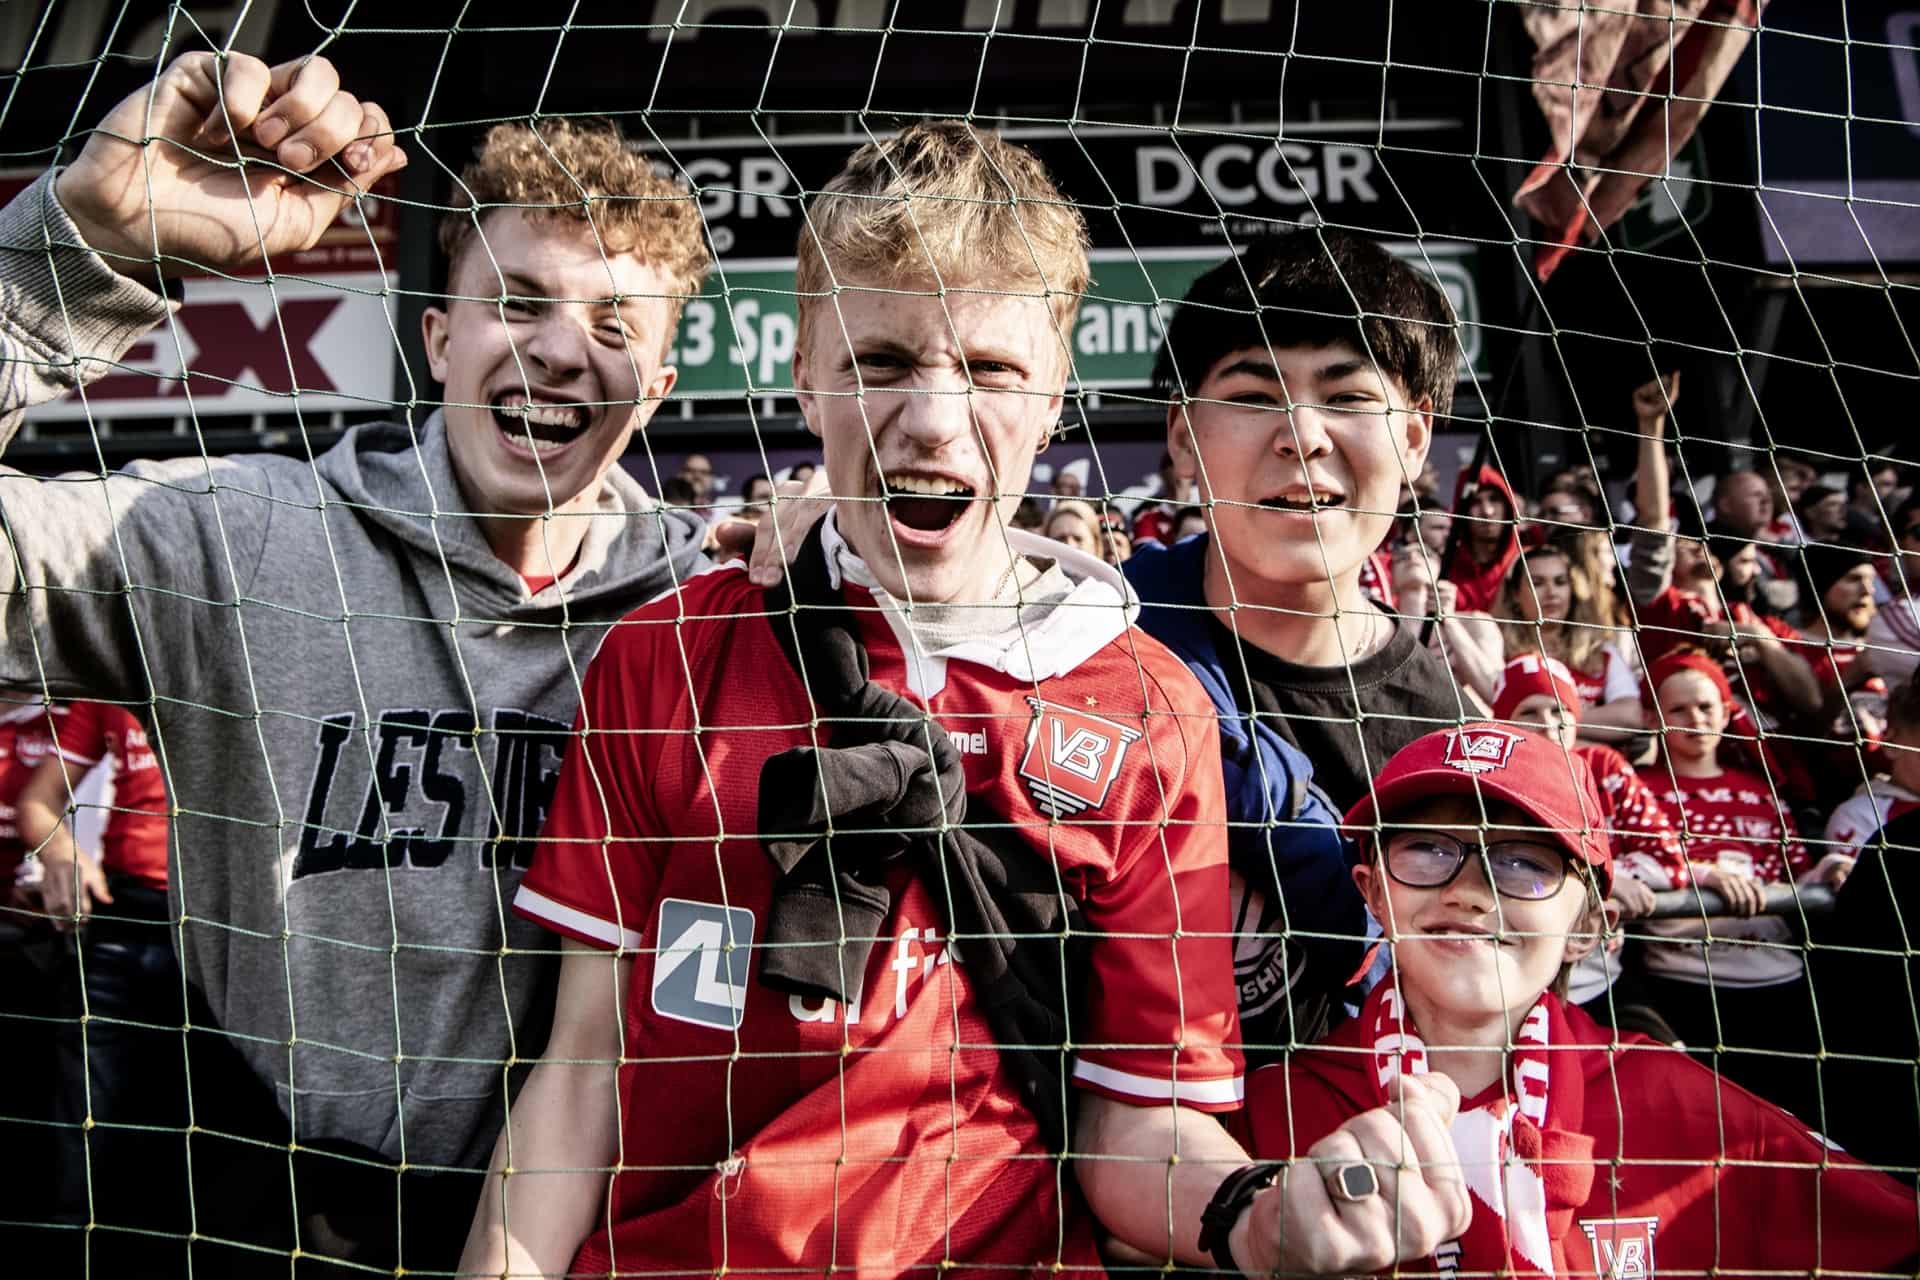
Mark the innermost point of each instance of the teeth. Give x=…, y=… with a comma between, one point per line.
x=928, y=485
x=569, y=416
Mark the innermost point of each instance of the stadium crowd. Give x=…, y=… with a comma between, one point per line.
x=807, y=913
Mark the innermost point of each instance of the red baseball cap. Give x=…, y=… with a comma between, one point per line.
x=1550, y=785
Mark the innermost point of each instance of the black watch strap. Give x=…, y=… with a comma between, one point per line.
x=1228, y=1203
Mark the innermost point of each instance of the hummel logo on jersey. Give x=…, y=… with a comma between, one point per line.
x=1072, y=759
x=1622, y=1247
x=1480, y=750
x=968, y=742
x=700, y=975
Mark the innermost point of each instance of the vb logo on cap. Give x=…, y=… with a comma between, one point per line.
x=1480, y=750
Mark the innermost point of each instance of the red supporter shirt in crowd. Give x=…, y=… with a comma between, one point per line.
x=1731, y=818
x=1677, y=617
x=888, y=1136
x=1154, y=524
x=26, y=738
x=1645, y=842
x=135, y=841
x=1615, y=680
x=1376, y=579
x=1655, y=1166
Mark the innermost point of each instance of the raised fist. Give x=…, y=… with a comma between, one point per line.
x=224, y=160
x=1651, y=400
x=1298, y=1227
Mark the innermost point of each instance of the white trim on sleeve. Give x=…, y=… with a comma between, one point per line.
x=1220, y=1092
x=541, y=907
x=74, y=757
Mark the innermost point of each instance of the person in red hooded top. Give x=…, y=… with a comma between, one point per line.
x=1485, y=540
x=1585, y=1152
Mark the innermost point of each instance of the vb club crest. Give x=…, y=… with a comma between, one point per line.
x=1622, y=1247
x=1072, y=759
x=1480, y=750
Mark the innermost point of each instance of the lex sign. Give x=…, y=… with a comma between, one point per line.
x=304, y=346
x=315, y=337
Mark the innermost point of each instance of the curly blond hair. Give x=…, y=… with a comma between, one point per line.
x=944, y=201
x=581, y=170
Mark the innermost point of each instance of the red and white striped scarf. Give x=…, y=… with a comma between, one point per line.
x=1522, y=1155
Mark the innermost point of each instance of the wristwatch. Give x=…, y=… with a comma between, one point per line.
x=1236, y=1192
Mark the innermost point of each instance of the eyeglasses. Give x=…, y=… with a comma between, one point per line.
x=1530, y=870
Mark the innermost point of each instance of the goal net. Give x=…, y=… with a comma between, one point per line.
x=314, y=598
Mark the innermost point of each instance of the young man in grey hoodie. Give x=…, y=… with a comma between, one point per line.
x=360, y=670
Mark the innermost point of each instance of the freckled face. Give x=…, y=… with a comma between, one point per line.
x=545, y=389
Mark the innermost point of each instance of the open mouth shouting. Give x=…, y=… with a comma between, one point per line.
x=1304, y=499
x=923, y=505
x=543, y=425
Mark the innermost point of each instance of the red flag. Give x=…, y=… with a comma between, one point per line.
x=1622, y=89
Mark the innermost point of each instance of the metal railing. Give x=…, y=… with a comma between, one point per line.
x=1782, y=900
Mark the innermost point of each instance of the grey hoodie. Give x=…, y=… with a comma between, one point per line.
x=361, y=712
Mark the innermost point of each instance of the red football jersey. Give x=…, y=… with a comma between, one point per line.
x=888, y=1135
x=26, y=738
x=135, y=841
x=1659, y=1167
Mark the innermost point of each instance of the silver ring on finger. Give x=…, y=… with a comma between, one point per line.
x=1353, y=1182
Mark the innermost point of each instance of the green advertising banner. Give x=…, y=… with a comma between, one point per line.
x=738, y=339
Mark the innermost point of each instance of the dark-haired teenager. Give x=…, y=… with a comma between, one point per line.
x=1303, y=380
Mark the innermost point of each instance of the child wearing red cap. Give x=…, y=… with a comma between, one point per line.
x=1736, y=981
x=1582, y=1151
x=1536, y=690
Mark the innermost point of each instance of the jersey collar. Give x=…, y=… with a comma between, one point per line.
x=1098, y=611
